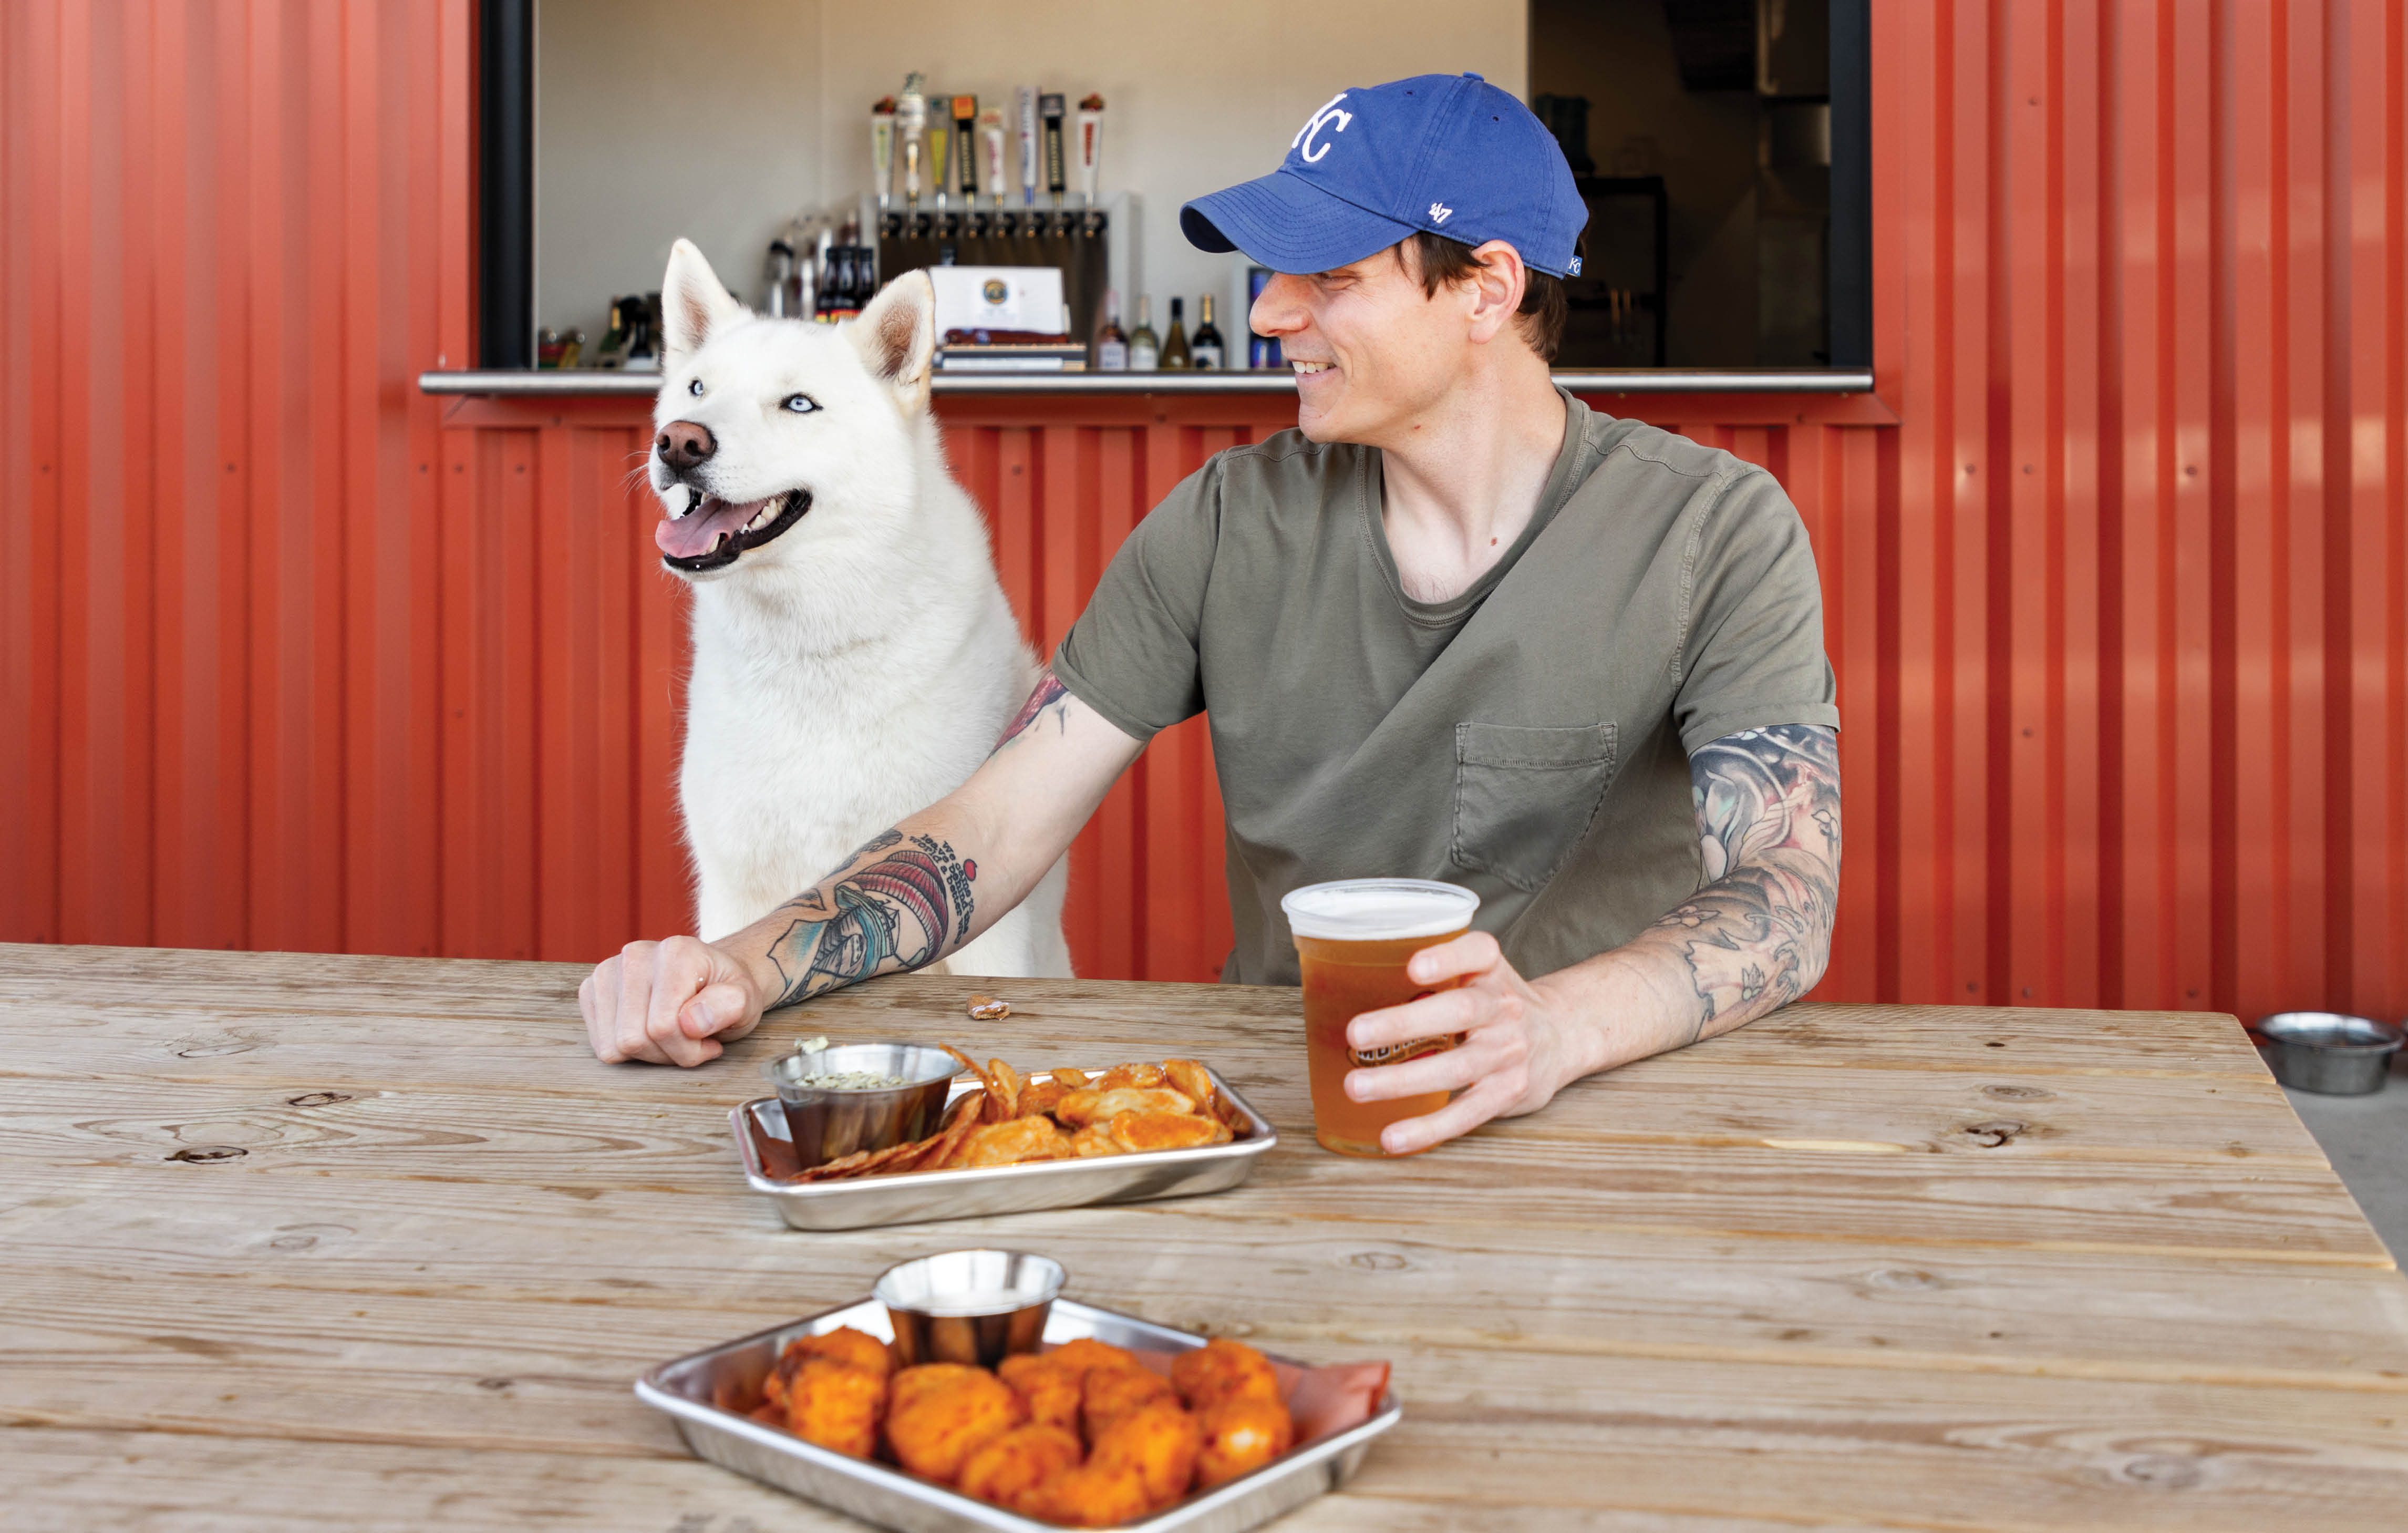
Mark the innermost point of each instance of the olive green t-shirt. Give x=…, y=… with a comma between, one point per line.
x=1528, y=740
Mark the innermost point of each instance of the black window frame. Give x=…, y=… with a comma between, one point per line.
x=506, y=184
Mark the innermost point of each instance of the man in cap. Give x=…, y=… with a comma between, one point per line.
x=1456, y=624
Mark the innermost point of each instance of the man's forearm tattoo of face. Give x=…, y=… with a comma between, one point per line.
x=908, y=908
x=1768, y=806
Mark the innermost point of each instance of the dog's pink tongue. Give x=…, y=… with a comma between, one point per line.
x=696, y=532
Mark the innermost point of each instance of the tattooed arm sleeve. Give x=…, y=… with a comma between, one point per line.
x=1758, y=933
x=917, y=891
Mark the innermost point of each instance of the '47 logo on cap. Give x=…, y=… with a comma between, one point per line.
x=1304, y=141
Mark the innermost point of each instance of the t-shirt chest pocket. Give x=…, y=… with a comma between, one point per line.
x=1524, y=796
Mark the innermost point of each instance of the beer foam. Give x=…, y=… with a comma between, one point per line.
x=1378, y=909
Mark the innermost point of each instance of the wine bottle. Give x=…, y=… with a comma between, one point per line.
x=1112, y=346
x=1206, y=348
x=1144, y=352
x=1174, y=348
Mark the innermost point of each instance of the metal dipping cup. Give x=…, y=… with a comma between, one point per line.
x=976, y=1306
x=827, y=1123
x=2325, y=1051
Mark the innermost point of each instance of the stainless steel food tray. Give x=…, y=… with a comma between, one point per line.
x=704, y=1394
x=913, y=1197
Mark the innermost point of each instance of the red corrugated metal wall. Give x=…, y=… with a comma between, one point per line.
x=2116, y=567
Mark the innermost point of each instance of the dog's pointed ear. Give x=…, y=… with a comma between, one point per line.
x=897, y=336
x=693, y=303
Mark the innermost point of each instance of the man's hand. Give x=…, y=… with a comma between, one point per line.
x=672, y=1002
x=1518, y=1049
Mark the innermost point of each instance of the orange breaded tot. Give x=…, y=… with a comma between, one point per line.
x=1018, y=1462
x=936, y=1426
x=1088, y=1496
x=844, y=1344
x=1086, y=1352
x=1241, y=1435
x=1051, y=1390
x=1111, y=1393
x=1222, y=1369
x=1096, y=1104
x=1160, y=1442
x=835, y=1405
x=914, y=1384
x=1137, y=1132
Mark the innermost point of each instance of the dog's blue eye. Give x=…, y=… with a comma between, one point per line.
x=801, y=404
x=694, y=388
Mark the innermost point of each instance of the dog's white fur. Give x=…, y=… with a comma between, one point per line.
x=859, y=667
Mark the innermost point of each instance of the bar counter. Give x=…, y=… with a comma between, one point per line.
x=571, y=383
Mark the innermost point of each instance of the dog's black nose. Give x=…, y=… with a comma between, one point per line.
x=685, y=444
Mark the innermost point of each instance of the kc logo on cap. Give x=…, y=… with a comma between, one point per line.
x=1433, y=154
x=1303, y=142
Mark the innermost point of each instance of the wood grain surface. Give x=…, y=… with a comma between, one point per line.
x=1850, y=1267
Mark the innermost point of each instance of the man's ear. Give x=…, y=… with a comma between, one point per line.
x=1495, y=287
x=897, y=336
x=692, y=304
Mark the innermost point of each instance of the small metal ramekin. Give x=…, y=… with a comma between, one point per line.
x=976, y=1306
x=828, y=1124
x=2325, y=1052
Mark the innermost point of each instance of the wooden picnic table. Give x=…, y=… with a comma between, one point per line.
x=337, y=1243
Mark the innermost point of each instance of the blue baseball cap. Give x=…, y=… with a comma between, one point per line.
x=1449, y=155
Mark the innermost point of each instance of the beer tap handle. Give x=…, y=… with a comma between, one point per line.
x=1056, y=177
x=965, y=152
x=1028, y=146
x=912, y=123
x=991, y=133
x=1090, y=145
x=882, y=151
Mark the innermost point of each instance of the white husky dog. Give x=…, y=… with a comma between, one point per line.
x=853, y=655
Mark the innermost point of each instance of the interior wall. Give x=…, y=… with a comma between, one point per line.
x=655, y=120
x=1702, y=142
x=721, y=119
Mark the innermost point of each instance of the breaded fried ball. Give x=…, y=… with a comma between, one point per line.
x=835, y=1405
x=1088, y=1496
x=1111, y=1393
x=1241, y=1436
x=1051, y=1388
x=1160, y=1442
x=844, y=1344
x=947, y=1419
x=1018, y=1462
x=1222, y=1369
x=1086, y=1352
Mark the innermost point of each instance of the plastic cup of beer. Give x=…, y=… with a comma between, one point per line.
x=1352, y=940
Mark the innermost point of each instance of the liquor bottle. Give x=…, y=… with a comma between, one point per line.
x=1144, y=352
x=1112, y=346
x=1206, y=348
x=1174, y=348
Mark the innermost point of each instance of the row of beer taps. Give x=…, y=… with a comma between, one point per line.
x=945, y=150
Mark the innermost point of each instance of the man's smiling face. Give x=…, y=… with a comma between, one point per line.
x=1373, y=353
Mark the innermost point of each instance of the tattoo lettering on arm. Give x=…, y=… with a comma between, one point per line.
x=1756, y=935
x=1050, y=698
x=907, y=909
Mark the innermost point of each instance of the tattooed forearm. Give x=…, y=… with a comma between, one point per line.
x=1050, y=700
x=902, y=902
x=1756, y=935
